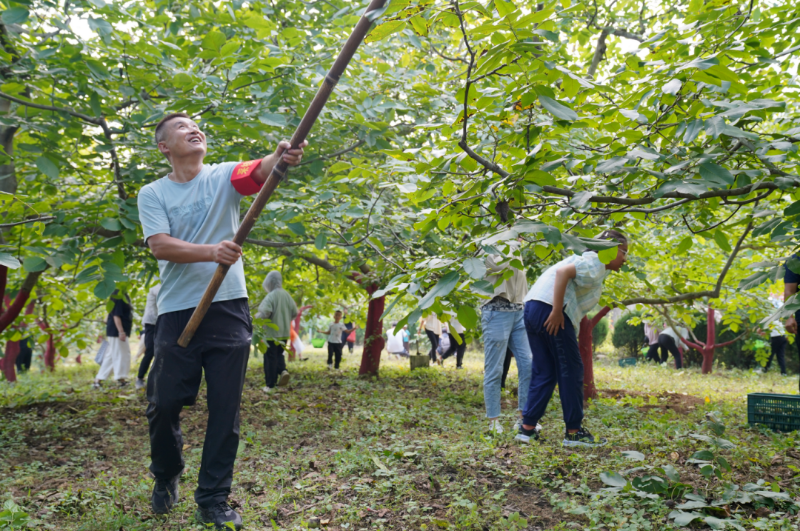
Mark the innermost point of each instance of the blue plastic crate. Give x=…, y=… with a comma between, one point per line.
x=627, y=362
x=778, y=412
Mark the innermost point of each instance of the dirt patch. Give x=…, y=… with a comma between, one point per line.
x=531, y=504
x=680, y=403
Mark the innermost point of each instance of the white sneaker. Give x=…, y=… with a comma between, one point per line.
x=330, y=365
x=495, y=427
x=283, y=381
x=97, y=385
x=140, y=384
x=266, y=389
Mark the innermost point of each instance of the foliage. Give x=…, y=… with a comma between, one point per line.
x=627, y=335
x=599, y=332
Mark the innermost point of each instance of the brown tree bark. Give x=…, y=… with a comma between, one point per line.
x=587, y=352
x=373, y=335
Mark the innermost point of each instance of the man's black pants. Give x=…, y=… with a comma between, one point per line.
x=335, y=350
x=778, y=346
x=149, y=350
x=667, y=344
x=274, y=362
x=25, y=356
x=459, y=350
x=434, y=339
x=652, y=353
x=220, y=349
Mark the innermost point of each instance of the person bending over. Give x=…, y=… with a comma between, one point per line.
x=554, y=306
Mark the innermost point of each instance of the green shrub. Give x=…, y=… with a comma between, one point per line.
x=600, y=332
x=628, y=336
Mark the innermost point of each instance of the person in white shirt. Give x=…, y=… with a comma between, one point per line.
x=455, y=334
x=503, y=327
x=149, y=336
x=670, y=342
x=554, y=307
x=394, y=342
x=335, y=342
x=433, y=329
x=777, y=337
x=651, y=332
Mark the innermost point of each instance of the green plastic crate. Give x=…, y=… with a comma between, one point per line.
x=778, y=412
x=627, y=362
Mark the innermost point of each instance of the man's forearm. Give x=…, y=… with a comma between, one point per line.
x=563, y=277
x=118, y=323
x=180, y=252
x=789, y=290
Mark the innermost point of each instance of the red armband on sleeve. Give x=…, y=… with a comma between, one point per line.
x=242, y=177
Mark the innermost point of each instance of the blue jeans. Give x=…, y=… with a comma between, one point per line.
x=556, y=359
x=501, y=331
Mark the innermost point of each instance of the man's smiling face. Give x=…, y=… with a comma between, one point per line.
x=183, y=138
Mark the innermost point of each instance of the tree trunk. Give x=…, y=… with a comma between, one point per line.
x=9, y=369
x=711, y=342
x=373, y=335
x=587, y=352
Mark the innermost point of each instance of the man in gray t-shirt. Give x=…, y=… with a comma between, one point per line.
x=189, y=218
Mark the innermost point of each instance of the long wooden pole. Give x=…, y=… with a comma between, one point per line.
x=280, y=169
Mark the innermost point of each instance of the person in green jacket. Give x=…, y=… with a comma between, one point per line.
x=279, y=307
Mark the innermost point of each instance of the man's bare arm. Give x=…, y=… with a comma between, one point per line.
x=291, y=156
x=165, y=247
x=118, y=322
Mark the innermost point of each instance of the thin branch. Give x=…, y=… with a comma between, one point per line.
x=335, y=154
x=31, y=220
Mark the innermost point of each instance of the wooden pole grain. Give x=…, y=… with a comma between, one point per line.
x=281, y=168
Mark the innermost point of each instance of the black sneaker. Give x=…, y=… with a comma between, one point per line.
x=525, y=436
x=582, y=437
x=165, y=495
x=221, y=515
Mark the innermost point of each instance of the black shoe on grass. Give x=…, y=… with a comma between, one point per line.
x=165, y=495
x=582, y=437
x=221, y=515
x=525, y=436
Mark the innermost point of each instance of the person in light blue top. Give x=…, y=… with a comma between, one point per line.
x=554, y=307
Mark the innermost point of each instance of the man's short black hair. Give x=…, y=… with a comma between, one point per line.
x=166, y=119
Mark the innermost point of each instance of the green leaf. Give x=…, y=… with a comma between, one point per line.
x=339, y=166
x=384, y=30
x=105, y=288
x=111, y=224
x=475, y=268
x=703, y=455
x=8, y=260
x=273, y=119
x=792, y=210
x=213, y=40
x=32, y=264
x=633, y=454
x=321, y=241
x=606, y=256
x=47, y=166
x=441, y=289
x=716, y=173
x=684, y=519
x=613, y=479
x=100, y=26
x=15, y=15
x=562, y=112
x=468, y=317
x=754, y=280
x=722, y=240
x=685, y=245
x=671, y=473
x=297, y=228
x=504, y=8
x=483, y=287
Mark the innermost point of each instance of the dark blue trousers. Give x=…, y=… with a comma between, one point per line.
x=556, y=360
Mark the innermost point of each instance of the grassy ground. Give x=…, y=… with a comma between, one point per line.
x=410, y=451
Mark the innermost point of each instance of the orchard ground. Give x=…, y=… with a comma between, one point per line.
x=407, y=451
